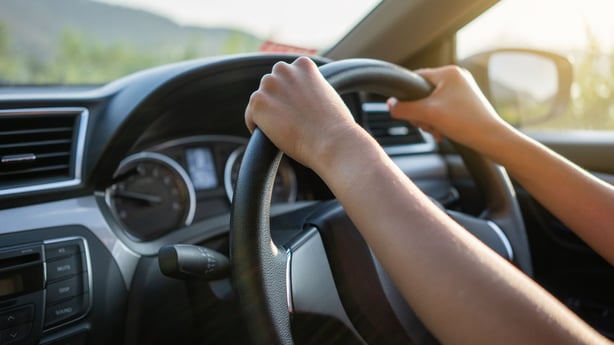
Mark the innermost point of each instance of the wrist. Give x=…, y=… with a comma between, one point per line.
x=487, y=138
x=343, y=157
x=498, y=142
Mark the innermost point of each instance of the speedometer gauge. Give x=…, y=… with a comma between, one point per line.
x=151, y=196
x=285, y=187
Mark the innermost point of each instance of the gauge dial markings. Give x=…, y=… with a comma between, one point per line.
x=152, y=195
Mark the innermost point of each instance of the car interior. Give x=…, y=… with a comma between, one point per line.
x=127, y=216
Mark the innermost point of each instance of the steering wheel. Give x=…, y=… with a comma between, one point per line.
x=327, y=268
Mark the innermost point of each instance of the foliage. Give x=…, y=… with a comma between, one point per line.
x=79, y=59
x=8, y=63
x=592, y=93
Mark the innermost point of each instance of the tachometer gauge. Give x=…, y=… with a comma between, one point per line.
x=284, y=189
x=152, y=195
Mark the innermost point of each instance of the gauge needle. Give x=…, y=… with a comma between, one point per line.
x=148, y=198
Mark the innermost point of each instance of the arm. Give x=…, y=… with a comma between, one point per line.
x=459, y=111
x=463, y=291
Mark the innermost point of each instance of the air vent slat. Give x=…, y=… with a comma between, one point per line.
x=53, y=155
x=34, y=144
x=63, y=168
x=38, y=149
x=36, y=131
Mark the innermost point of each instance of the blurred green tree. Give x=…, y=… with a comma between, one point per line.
x=592, y=93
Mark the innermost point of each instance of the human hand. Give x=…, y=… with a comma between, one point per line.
x=456, y=109
x=299, y=111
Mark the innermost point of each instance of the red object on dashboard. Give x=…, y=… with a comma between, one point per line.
x=270, y=46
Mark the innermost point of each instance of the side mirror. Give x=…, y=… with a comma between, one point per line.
x=526, y=87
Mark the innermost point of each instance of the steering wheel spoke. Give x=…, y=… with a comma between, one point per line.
x=312, y=286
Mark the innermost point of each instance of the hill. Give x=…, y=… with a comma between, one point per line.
x=43, y=32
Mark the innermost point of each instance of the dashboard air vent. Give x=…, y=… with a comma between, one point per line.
x=40, y=148
x=388, y=131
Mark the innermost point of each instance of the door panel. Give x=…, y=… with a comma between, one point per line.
x=592, y=150
x=563, y=263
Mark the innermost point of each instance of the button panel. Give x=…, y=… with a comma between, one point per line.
x=15, y=334
x=46, y=285
x=67, y=292
x=16, y=317
x=67, y=310
x=64, y=267
x=66, y=288
x=58, y=250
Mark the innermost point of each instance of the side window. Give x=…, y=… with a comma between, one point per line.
x=581, y=30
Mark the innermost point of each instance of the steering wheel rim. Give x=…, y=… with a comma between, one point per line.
x=259, y=267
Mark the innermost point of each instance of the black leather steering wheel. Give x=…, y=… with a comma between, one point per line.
x=273, y=281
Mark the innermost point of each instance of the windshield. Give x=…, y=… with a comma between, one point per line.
x=93, y=42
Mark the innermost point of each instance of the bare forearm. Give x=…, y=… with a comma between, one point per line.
x=462, y=290
x=458, y=110
x=579, y=200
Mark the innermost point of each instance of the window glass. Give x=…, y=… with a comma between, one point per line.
x=83, y=42
x=581, y=30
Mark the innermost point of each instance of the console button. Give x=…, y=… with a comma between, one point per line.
x=16, y=317
x=15, y=334
x=64, y=267
x=66, y=310
x=58, y=250
x=64, y=289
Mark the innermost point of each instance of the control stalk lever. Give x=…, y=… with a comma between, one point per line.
x=186, y=261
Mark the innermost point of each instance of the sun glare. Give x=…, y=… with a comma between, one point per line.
x=309, y=24
x=564, y=26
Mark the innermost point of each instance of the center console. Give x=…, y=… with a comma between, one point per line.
x=43, y=286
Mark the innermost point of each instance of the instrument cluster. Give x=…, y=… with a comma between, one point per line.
x=179, y=182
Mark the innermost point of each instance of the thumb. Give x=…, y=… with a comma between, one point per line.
x=412, y=111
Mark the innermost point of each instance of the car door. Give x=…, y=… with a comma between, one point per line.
x=583, y=132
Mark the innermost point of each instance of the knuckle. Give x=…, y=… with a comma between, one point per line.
x=256, y=101
x=267, y=81
x=452, y=70
x=304, y=61
x=281, y=67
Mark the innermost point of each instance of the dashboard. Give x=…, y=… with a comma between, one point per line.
x=186, y=180
x=95, y=180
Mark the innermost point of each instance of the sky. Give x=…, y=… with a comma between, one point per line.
x=558, y=25
x=546, y=24
x=310, y=24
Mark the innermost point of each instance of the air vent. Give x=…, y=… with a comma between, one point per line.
x=40, y=148
x=388, y=131
x=397, y=137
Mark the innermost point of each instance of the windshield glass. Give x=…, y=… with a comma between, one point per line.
x=93, y=42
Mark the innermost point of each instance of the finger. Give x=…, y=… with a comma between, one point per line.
x=407, y=110
x=288, y=76
x=420, y=125
x=440, y=74
x=269, y=83
x=430, y=74
x=391, y=102
x=422, y=71
x=256, y=110
x=429, y=129
x=304, y=62
x=280, y=67
x=249, y=114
